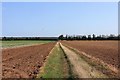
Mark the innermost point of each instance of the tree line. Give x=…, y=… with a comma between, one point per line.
x=89, y=37
x=68, y=37
x=29, y=38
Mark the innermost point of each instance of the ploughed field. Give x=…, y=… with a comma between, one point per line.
x=24, y=62
x=104, y=50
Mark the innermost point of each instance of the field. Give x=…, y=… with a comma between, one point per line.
x=103, y=55
x=24, y=61
x=48, y=59
x=106, y=51
x=16, y=43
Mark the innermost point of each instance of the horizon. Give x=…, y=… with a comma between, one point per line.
x=53, y=19
x=107, y=35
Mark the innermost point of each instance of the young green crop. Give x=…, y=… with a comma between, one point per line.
x=14, y=43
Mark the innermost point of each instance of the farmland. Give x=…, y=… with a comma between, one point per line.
x=105, y=50
x=61, y=58
x=16, y=43
x=69, y=40
x=24, y=62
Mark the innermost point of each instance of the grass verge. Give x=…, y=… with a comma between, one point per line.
x=56, y=65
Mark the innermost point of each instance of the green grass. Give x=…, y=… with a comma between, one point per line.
x=14, y=43
x=56, y=65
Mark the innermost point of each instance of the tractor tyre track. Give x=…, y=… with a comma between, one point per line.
x=80, y=67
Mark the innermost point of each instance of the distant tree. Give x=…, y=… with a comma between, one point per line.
x=118, y=36
x=84, y=37
x=103, y=37
x=77, y=37
x=4, y=38
x=60, y=37
x=93, y=36
x=111, y=37
x=98, y=37
x=74, y=37
x=89, y=37
x=66, y=37
x=11, y=38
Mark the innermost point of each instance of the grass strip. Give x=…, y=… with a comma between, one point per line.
x=56, y=65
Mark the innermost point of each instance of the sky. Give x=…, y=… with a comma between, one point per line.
x=55, y=18
x=59, y=0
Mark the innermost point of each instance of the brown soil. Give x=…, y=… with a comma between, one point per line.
x=104, y=50
x=24, y=62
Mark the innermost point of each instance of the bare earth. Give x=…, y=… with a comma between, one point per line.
x=106, y=51
x=80, y=67
x=24, y=62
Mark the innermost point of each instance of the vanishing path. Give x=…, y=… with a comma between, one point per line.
x=55, y=65
x=80, y=67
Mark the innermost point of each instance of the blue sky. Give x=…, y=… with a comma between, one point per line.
x=53, y=19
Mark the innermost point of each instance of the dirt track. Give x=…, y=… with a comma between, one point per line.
x=24, y=62
x=80, y=67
